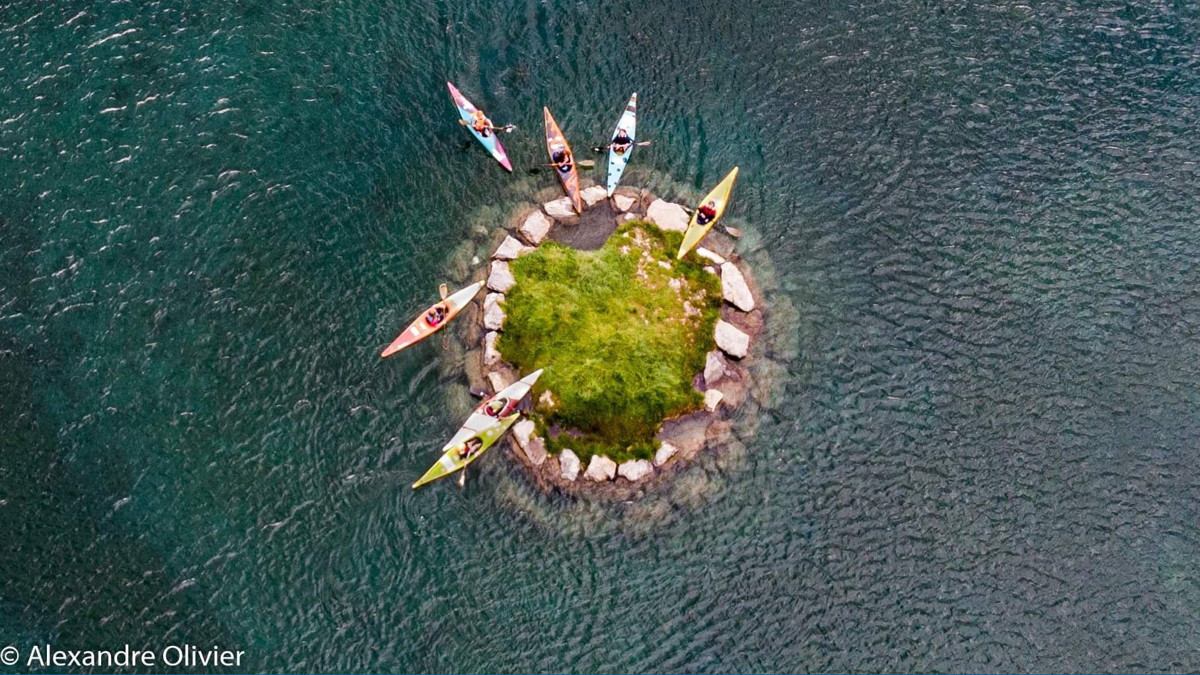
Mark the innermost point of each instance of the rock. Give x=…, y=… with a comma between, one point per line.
x=665, y=452
x=635, y=470
x=731, y=340
x=501, y=279
x=498, y=380
x=668, y=216
x=623, y=202
x=568, y=463
x=546, y=400
x=522, y=431
x=535, y=452
x=625, y=218
x=715, y=367
x=664, y=264
x=559, y=209
x=704, y=253
x=535, y=227
x=734, y=288
x=593, y=194
x=508, y=249
x=686, y=433
x=712, y=399
x=493, y=313
x=750, y=323
x=600, y=469
x=492, y=356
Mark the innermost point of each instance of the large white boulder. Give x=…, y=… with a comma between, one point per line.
x=601, y=469
x=535, y=227
x=709, y=255
x=493, y=313
x=731, y=340
x=623, y=202
x=568, y=464
x=635, y=470
x=501, y=279
x=508, y=249
x=593, y=194
x=665, y=452
x=734, y=288
x=491, y=355
x=559, y=209
x=668, y=216
x=522, y=431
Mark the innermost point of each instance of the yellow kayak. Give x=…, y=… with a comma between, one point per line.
x=463, y=453
x=713, y=206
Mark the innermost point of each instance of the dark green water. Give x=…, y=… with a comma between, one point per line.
x=984, y=453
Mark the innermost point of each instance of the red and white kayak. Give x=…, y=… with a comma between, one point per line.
x=568, y=173
x=433, y=319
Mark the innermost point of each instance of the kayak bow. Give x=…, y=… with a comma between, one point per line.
x=466, y=110
x=420, y=329
x=720, y=198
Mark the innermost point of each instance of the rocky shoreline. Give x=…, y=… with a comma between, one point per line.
x=725, y=380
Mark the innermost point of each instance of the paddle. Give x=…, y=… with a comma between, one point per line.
x=582, y=164
x=606, y=148
x=507, y=128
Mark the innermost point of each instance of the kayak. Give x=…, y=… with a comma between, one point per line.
x=720, y=199
x=458, y=456
x=421, y=328
x=618, y=160
x=502, y=404
x=466, y=110
x=570, y=177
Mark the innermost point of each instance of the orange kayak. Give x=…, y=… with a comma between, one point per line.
x=568, y=173
x=433, y=319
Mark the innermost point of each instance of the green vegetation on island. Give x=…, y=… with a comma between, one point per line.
x=621, y=331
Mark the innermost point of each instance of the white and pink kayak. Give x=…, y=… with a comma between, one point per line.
x=466, y=110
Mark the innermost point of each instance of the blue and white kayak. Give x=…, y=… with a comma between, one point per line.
x=618, y=160
x=466, y=111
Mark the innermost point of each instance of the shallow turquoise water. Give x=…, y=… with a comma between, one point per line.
x=983, y=452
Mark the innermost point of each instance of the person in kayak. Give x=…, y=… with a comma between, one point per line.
x=480, y=123
x=561, y=158
x=436, y=315
x=495, y=406
x=706, y=213
x=470, y=447
x=621, y=143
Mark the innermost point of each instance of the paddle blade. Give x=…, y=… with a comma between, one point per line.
x=443, y=291
x=733, y=232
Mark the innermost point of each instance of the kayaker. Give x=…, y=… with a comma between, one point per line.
x=621, y=142
x=495, y=406
x=436, y=315
x=561, y=158
x=470, y=447
x=480, y=123
x=706, y=213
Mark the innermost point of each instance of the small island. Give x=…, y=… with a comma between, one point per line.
x=641, y=351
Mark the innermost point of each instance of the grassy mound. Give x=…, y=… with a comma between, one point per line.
x=621, y=332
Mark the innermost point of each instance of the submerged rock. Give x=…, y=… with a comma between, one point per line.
x=490, y=354
x=508, y=249
x=668, y=216
x=665, y=452
x=593, y=194
x=560, y=209
x=635, y=469
x=731, y=340
x=734, y=288
x=493, y=313
x=501, y=279
x=535, y=227
x=715, y=367
x=568, y=463
x=600, y=469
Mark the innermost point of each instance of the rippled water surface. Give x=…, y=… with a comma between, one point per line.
x=983, y=453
